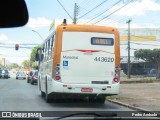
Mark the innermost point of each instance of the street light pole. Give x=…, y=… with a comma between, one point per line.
x=38, y=34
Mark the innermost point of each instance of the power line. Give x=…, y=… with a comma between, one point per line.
x=113, y=12
x=88, y=4
x=65, y=9
x=14, y=47
x=19, y=44
x=124, y=19
x=93, y=9
x=135, y=12
x=101, y=13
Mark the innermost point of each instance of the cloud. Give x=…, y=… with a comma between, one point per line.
x=133, y=25
x=136, y=8
x=38, y=23
x=3, y=37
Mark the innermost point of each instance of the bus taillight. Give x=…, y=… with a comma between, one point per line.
x=116, y=80
x=57, y=72
x=116, y=75
x=57, y=77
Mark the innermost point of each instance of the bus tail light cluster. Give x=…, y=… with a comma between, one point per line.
x=116, y=75
x=57, y=72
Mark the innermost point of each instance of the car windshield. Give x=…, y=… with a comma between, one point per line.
x=82, y=56
x=6, y=71
x=20, y=73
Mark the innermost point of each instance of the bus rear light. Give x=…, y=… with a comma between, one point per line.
x=108, y=86
x=57, y=77
x=57, y=68
x=117, y=70
x=116, y=80
x=57, y=73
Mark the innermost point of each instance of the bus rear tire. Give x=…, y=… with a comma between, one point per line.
x=48, y=97
x=100, y=100
x=43, y=94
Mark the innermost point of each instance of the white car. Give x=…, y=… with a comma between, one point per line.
x=21, y=75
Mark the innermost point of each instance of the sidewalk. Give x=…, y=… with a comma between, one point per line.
x=125, y=80
x=142, y=95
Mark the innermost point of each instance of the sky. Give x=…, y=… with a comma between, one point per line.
x=144, y=13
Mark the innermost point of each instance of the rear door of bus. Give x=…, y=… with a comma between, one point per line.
x=87, y=58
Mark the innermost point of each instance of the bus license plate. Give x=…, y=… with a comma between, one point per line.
x=86, y=89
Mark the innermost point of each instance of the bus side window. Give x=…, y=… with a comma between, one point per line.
x=49, y=45
x=42, y=54
x=46, y=52
x=52, y=44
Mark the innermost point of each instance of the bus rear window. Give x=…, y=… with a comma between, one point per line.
x=102, y=41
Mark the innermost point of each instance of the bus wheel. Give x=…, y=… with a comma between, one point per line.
x=43, y=94
x=91, y=99
x=47, y=97
x=101, y=100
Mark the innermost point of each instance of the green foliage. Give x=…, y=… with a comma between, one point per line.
x=150, y=55
x=34, y=66
x=14, y=65
x=26, y=63
x=33, y=54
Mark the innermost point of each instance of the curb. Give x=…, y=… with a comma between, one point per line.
x=139, y=81
x=132, y=107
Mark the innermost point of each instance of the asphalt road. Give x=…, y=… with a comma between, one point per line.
x=18, y=95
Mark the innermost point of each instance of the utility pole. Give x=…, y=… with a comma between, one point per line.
x=129, y=70
x=75, y=13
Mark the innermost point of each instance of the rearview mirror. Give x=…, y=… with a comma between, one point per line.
x=13, y=13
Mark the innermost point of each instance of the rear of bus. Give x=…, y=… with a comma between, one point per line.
x=87, y=60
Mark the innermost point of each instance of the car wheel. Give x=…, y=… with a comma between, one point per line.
x=31, y=82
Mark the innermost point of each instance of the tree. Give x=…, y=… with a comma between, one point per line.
x=34, y=65
x=14, y=65
x=150, y=56
x=33, y=55
x=26, y=63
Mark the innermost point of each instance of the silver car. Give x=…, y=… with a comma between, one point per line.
x=21, y=75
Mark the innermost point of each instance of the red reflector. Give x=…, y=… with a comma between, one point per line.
x=64, y=85
x=116, y=80
x=57, y=77
x=108, y=86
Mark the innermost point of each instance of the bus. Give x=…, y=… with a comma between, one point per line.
x=79, y=61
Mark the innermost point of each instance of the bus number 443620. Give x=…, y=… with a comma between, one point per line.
x=104, y=59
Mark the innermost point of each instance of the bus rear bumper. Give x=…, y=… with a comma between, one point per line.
x=78, y=95
x=85, y=89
